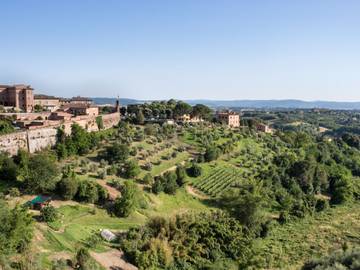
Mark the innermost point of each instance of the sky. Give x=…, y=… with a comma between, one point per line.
x=183, y=49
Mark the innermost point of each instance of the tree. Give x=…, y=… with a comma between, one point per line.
x=49, y=213
x=139, y=117
x=182, y=108
x=117, y=153
x=99, y=122
x=148, y=179
x=81, y=139
x=8, y=169
x=201, y=111
x=88, y=191
x=6, y=127
x=22, y=160
x=83, y=259
x=43, y=173
x=170, y=185
x=180, y=175
x=131, y=169
x=191, y=240
x=211, y=153
x=158, y=185
x=126, y=204
x=246, y=204
x=195, y=170
x=68, y=185
x=16, y=229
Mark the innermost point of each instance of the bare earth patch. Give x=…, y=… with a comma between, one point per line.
x=194, y=192
x=112, y=260
x=113, y=192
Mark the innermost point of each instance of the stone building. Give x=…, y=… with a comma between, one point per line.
x=228, y=118
x=81, y=109
x=19, y=96
x=263, y=128
x=81, y=100
x=49, y=103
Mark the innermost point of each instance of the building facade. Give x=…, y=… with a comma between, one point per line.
x=49, y=103
x=18, y=96
x=230, y=119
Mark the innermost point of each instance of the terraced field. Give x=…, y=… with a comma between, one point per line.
x=217, y=181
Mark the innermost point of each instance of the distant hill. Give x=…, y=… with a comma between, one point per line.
x=123, y=101
x=270, y=104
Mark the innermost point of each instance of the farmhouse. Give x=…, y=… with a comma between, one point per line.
x=228, y=118
x=263, y=128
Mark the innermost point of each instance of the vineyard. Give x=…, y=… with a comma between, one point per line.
x=217, y=181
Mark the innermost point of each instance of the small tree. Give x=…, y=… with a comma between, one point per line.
x=49, y=213
x=195, y=170
x=83, y=259
x=148, y=179
x=131, y=169
x=170, y=185
x=126, y=204
x=68, y=185
x=180, y=175
x=42, y=174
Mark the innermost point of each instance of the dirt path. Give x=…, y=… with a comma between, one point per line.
x=112, y=260
x=113, y=192
x=194, y=192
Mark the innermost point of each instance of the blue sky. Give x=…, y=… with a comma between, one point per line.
x=154, y=49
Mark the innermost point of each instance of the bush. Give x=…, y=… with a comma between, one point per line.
x=112, y=170
x=102, y=174
x=103, y=163
x=148, y=179
x=129, y=200
x=49, y=213
x=180, y=175
x=321, y=205
x=147, y=166
x=170, y=185
x=14, y=192
x=348, y=259
x=131, y=169
x=68, y=186
x=195, y=170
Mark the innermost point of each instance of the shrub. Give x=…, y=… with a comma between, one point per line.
x=148, y=179
x=49, y=213
x=131, y=169
x=195, y=170
x=14, y=192
x=102, y=174
x=68, y=186
x=112, y=170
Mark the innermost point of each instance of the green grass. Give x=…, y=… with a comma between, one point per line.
x=79, y=222
x=290, y=245
x=167, y=205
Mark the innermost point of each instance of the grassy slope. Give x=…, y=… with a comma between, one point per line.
x=290, y=245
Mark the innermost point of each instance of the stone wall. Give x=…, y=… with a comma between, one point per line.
x=39, y=138
x=11, y=143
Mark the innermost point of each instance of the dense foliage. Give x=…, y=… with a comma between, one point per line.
x=189, y=241
x=348, y=259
